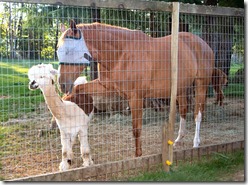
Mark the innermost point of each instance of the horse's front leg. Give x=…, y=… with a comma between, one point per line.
x=200, y=100
x=182, y=100
x=136, y=105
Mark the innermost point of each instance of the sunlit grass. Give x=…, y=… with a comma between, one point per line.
x=15, y=97
x=14, y=67
x=218, y=168
x=234, y=68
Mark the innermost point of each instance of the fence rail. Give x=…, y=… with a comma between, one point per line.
x=143, y=5
x=107, y=172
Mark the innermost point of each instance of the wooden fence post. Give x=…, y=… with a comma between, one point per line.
x=168, y=128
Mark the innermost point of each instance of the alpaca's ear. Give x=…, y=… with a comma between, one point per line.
x=54, y=72
x=62, y=28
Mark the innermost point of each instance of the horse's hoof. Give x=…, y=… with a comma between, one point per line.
x=138, y=153
x=196, y=143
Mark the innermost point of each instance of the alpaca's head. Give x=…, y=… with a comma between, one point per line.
x=41, y=76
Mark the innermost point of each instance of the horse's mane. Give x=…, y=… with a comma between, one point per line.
x=102, y=26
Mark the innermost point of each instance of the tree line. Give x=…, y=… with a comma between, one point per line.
x=31, y=31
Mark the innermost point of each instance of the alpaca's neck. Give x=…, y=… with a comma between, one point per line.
x=53, y=101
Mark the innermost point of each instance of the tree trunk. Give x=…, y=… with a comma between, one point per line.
x=19, y=32
x=96, y=17
x=217, y=32
x=210, y=2
x=56, y=36
x=10, y=31
x=152, y=25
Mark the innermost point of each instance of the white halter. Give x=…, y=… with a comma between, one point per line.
x=74, y=51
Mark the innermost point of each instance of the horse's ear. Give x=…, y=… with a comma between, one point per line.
x=73, y=26
x=62, y=28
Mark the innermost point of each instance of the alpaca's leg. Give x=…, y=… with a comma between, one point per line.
x=84, y=147
x=67, y=153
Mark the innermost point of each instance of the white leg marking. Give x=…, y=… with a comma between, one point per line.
x=181, y=132
x=198, y=120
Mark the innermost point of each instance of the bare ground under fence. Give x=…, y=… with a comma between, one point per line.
x=34, y=149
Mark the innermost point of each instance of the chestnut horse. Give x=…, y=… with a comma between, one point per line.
x=137, y=66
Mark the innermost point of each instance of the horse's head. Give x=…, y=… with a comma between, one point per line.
x=73, y=56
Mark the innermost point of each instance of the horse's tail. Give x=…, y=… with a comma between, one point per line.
x=219, y=79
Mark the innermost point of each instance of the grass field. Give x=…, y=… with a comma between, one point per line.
x=221, y=167
x=16, y=99
x=21, y=110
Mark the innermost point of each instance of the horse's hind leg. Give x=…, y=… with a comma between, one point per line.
x=200, y=99
x=182, y=101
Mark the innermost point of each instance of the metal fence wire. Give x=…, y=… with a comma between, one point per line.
x=30, y=142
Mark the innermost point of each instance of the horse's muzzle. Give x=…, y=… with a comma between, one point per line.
x=65, y=88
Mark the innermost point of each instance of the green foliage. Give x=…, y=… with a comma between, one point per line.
x=234, y=90
x=231, y=3
x=16, y=99
x=185, y=1
x=36, y=26
x=216, y=168
x=47, y=53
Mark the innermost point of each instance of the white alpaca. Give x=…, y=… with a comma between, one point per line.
x=71, y=120
x=80, y=80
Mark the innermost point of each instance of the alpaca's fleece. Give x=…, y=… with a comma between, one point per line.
x=80, y=80
x=70, y=118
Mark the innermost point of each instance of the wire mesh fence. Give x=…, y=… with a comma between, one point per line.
x=30, y=142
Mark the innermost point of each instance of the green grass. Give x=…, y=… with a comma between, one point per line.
x=16, y=99
x=234, y=68
x=234, y=90
x=220, y=167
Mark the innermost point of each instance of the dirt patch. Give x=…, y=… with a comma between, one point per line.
x=110, y=137
x=4, y=97
x=238, y=176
